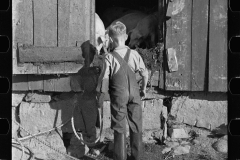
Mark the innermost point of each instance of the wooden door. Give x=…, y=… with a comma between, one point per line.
x=49, y=33
x=197, y=31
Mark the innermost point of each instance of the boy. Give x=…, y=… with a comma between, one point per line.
x=118, y=77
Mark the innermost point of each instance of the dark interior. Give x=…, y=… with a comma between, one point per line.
x=102, y=5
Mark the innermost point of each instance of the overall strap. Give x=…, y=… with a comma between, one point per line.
x=120, y=59
x=126, y=57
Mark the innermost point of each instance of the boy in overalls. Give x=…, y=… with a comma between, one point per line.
x=118, y=78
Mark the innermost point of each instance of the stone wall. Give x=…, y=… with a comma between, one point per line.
x=205, y=110
x=39, y=112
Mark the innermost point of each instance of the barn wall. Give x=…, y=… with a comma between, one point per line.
x=191, y=32
x=197, y=31
x=35, y=83
x=53, y=25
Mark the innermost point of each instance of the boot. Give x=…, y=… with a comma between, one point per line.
x=136, y=145
x=120, y=150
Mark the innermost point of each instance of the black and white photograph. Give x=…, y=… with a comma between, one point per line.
x=120, y=79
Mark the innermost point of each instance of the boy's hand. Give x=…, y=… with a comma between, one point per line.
x=143, y=93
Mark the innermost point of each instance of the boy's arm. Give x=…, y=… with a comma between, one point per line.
x=144, y=74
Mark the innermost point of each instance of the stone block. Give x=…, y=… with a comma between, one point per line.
x=203, y=110
x=166, y=150
x=38, y=98
x=221, y=145
x=180, y=150
x=151, y=114
x=17, y=98
x=177, y=133
x=203, y=124
x=15, y=127
x=106, y=115
x=17, y=152
x=172, y=144
x=42, y=151
x=38, y=117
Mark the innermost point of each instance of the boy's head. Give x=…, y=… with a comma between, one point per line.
x=117, y=32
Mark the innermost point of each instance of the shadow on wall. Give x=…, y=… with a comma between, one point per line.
x=81, y=101
x=88, y=52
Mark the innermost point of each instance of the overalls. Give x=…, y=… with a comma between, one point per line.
x=125, y=105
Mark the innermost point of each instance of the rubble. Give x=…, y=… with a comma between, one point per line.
x=166, y=150
x=179, y=150
x=184, y=142
x=172, y=144
x=177, y=133
x=195, y=141
x=221, y=145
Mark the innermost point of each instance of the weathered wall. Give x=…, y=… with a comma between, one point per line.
x=207, y=110
x=38, y=112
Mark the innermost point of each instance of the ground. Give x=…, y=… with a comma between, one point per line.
x=203, y=150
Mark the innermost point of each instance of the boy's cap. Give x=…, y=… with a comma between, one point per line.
x=117, y=29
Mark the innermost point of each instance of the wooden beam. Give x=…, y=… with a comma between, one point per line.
x=20, y=83
x=35, y=82
x=50, y=54
x=178, y=37
x=218, y=46
x=199, y=44
x=45, y=22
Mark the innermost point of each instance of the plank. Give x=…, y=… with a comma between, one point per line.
x=45, y=22
x=62, y=84
x=35, y=82
x=92, y=30
x=49, y=83
x=22, y=22
x=51, y=68
x=55, y=83
x=71, y=67
x=218, y=46
x=167, y=32
x=79, y=23
x=25, y=68
x=178, y=37
x=20, y=83
x=63, y=33
x=59, y=68
x=49, y=54
x=22, y=33
x=63, y=22
x=199, y=44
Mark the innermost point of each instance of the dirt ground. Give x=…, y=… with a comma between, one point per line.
x=203, y=150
